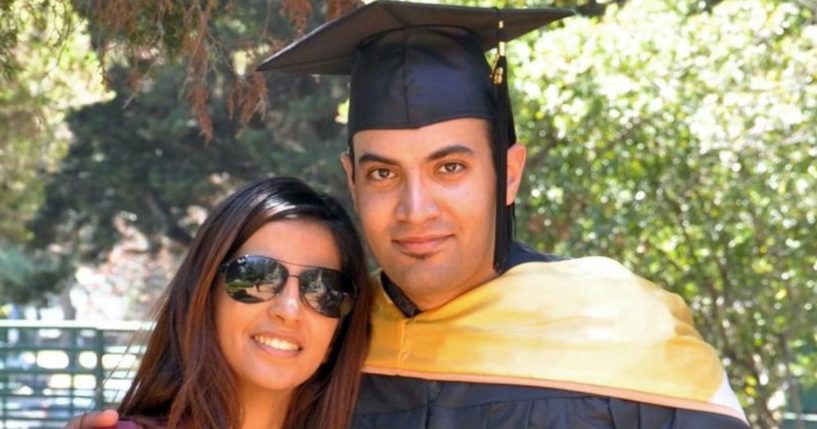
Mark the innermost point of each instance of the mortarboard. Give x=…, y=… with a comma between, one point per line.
x=415, y=64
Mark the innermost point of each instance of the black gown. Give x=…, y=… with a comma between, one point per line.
x=409, y=403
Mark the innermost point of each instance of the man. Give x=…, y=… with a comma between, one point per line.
x=471, y=329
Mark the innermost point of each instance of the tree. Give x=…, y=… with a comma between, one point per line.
x=206, y=37
x=684, y=145
x=45, y=70
x=147, y=163
x=140, y=157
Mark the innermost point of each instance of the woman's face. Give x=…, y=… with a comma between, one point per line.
x=277, y=345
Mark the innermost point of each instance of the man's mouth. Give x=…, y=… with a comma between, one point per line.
x=421, y=246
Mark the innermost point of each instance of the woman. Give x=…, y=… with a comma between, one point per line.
x=266, y=322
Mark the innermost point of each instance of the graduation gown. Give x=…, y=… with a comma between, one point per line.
x=579, y=343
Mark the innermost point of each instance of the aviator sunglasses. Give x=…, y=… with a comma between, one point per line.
x=253, y=278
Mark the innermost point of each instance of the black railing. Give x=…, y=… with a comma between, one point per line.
x=50, y=371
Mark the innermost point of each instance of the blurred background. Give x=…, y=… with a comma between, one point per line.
x=677, y=136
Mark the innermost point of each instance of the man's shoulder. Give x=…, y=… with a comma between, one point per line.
x=582, y=270
x=520, y=253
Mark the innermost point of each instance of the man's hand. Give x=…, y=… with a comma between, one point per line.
x=94, y=420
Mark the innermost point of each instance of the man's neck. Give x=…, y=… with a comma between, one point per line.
x=428, y=302
x=517, y=254
x=411, y=306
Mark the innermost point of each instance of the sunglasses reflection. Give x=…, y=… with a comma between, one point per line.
x=256, y=278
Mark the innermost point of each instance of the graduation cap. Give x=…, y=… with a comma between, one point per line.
x=415, y=64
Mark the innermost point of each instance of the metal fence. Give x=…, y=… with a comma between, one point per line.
x=51, y=371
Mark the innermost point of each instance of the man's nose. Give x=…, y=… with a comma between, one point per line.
x=417, y=201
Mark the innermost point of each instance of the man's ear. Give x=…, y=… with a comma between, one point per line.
x=347, y=162
x=517, y=154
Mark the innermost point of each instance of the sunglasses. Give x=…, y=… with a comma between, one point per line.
x=251, y=279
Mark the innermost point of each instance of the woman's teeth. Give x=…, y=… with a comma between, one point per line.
x=276, y=343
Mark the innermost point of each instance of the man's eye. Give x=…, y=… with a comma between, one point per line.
x=380, y=174
x=451, y=167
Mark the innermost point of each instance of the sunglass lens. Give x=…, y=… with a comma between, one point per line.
x=322, y=290
x=253, y=279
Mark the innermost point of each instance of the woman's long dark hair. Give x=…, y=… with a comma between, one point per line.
x=184, y=379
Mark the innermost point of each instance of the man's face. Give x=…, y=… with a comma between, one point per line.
x=426, y=200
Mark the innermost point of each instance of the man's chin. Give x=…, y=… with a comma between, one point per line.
x=420, y=257
x=422, y=278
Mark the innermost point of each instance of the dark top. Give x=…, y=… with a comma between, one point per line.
x=409, y=403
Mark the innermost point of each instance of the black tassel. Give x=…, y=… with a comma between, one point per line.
x=504, y=136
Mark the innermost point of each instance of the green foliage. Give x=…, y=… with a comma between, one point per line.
x=685, y=146
x=206, y=37
x=28, y=276
x=48, y=69
x=140, y=157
